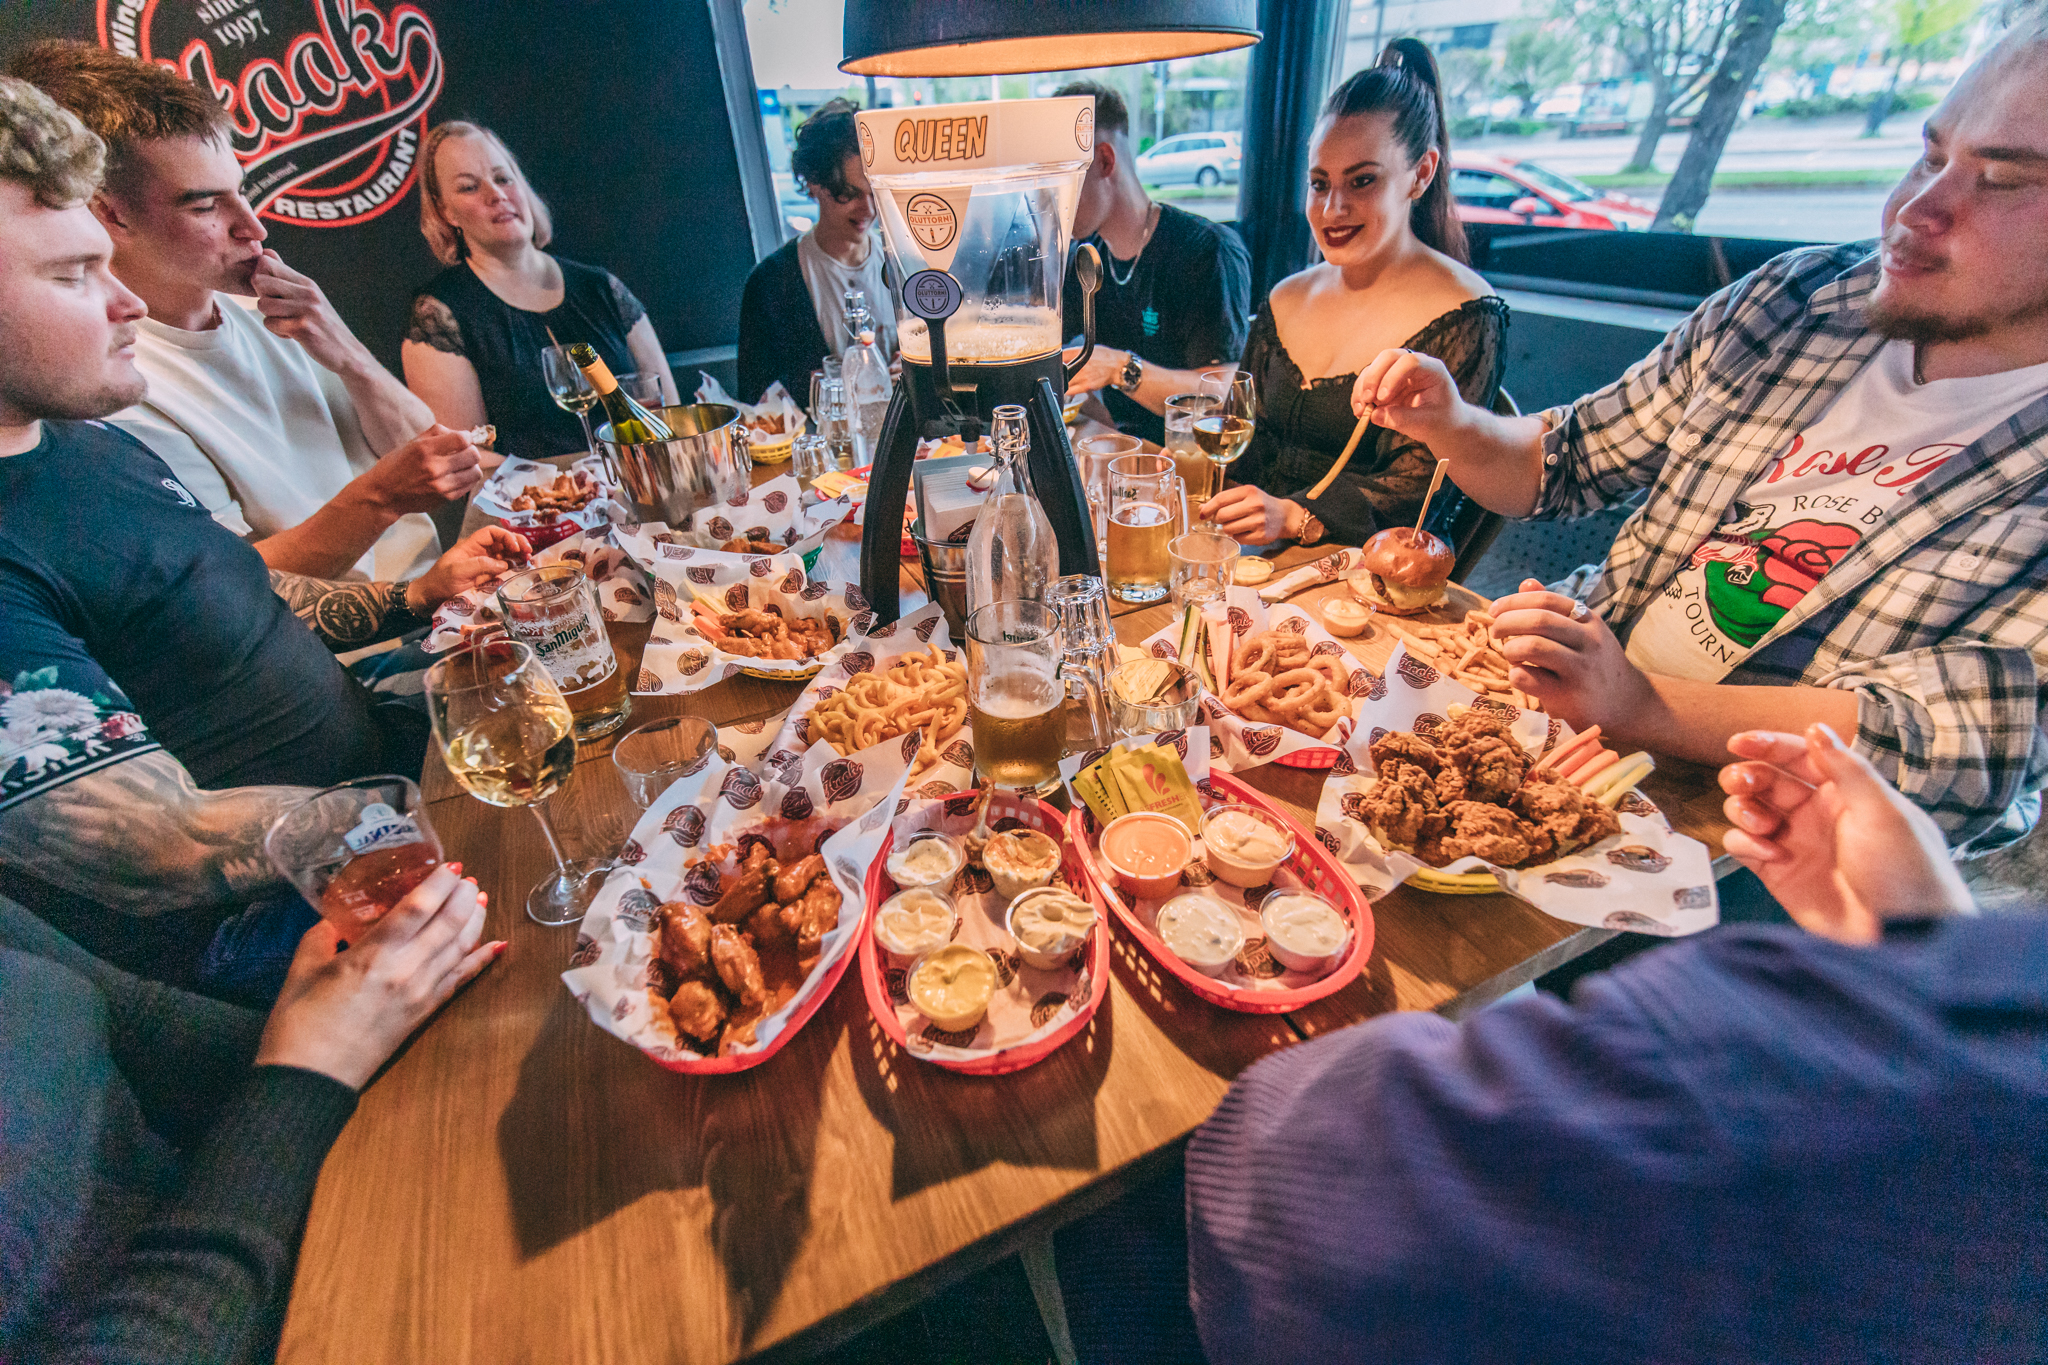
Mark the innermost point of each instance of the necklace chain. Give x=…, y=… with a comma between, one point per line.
x=1151, y=226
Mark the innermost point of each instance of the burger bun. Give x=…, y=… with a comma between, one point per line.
x=1404, y=571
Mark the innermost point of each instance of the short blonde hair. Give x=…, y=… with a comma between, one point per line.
x=45, y=147
x=444, y=237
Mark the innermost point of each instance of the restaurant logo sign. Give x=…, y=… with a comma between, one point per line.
x=329, y=98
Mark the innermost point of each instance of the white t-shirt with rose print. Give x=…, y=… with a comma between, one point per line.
x=1881, y=436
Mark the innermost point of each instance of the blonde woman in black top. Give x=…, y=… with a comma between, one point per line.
x=1393, y=274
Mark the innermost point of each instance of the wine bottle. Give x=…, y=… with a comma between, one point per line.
x=631, y=423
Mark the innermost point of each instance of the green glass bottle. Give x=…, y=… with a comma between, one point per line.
x=631, y=423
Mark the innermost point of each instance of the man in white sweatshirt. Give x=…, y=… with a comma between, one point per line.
x=261, y=399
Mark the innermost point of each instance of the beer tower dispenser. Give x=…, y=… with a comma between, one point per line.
x=977, y=206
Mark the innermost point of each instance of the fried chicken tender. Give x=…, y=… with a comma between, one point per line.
x=1491, y=767
x=684, y=939
x=1479, y=830
x=695, y=1009
x=1402, y=747
x=1596, y=824
x=738, y=966
x=746, y=895
x=1552, y=805
x=1400, y=816
x=758, y=634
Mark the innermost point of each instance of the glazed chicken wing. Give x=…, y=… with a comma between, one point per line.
x=796, y=878
x=684, y=939
x=745, y=895
x=738, y=966
x=696, y=1010
x=813, y=916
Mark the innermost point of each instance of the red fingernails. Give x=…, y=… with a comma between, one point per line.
x=498, y=949
x=456, y=868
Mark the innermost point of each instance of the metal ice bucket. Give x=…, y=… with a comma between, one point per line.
x=706, y=462
x=945, y=579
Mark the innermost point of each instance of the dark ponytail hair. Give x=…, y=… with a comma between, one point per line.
x=1405, y=84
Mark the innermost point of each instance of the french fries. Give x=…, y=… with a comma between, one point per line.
x=1465, y=651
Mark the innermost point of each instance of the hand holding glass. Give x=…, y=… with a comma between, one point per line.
x=1225, y=430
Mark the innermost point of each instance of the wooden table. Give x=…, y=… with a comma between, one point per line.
x=519, y=1185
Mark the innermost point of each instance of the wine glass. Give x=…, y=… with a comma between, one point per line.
x=570, y=389
x=1225, y=431
x=508, y=737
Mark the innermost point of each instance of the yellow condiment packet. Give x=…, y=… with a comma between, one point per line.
x=1154, y=779
x=1098, y=792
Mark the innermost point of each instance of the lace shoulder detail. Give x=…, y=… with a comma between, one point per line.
x=432, y=323
x=630, y=309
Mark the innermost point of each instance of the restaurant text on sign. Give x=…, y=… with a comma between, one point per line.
x=942, y=139
x=327, y=109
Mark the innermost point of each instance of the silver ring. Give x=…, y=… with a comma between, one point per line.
x=1580, y=612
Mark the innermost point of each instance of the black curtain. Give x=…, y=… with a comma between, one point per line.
x=1290, y=74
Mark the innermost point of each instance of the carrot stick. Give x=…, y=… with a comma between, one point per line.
x=1587, y=766
x=1572, y=745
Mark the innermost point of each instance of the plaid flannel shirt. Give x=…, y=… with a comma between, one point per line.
x=1936, y=618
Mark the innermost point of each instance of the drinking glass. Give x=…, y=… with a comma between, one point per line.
x=506, y=734
x=831, y=369
x=1014, y=695
x=1146, y=510
x=645, y=389
x=355, y=849
x=1083, y=605
x=809, y=458
x=1204, y=563
x=554, y=608
x=1088, y=652
x=1093, y=454
x=1196, y=470
x=652, y=756
x=570, y=388
x=1224, y=432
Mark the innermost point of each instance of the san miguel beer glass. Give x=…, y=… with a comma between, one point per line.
x=554, y=610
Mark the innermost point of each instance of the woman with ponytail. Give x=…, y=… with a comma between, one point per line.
x=1393, y=273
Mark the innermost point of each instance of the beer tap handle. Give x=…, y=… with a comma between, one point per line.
x=1088, y=272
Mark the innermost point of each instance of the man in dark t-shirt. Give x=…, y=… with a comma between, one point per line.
x=162, y=699
x=1176, y=288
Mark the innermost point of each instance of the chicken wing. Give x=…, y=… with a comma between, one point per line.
x=684, y=939
x=796, y=878
x=696, y=1010
x=738, y=966
x=746, y=894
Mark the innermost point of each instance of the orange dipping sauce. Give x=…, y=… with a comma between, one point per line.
x=1147, y=851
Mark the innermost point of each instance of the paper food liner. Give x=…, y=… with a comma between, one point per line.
x=1648, y=879
x=774, y=403
x=624, y=593
x=1029, y=1003
x=515, y=476
x=878, y=651
x=838, y=809
x=1238, y=744
x=770, y=511
x=1255, y=968
x=679, y=658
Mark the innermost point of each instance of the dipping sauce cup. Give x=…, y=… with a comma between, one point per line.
x=1201, y=931
x=1244, y=846
x=1303, y=930
x=1146, y=852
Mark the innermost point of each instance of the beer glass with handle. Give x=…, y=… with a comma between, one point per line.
x=1224, y=431
x=507, y=736
x=554, y=608
x=1146, y=511
x=1015, y=695
x=354, y=849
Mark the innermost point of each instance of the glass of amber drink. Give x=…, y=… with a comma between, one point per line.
x=1202, y=476
x=355, y=849
x=1015, y=696
x=554, y=610
x=1146, y=511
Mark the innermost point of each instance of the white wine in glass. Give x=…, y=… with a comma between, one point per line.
x=509, y=739
x=570, y=390
x=1225, y=430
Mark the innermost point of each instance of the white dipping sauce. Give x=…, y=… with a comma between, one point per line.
x=1303, y=924
x=1201, y=931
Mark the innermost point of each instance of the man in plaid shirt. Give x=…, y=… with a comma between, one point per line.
x=1901, y=598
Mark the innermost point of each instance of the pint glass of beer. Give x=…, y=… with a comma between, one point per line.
x=1196, y=470
x=1015, y=696
x=355, y=849
x=554, y=610
x=1145, y=513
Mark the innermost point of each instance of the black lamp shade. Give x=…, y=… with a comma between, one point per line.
x=1001, y=37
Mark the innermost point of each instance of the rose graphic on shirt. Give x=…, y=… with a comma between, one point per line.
x=1747, y=602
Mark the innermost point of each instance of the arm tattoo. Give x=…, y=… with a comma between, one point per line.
x=345, y=615
x=139, y=837
x=432, y=324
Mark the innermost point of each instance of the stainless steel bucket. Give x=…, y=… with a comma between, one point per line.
x=945, y=580
x=707, y=462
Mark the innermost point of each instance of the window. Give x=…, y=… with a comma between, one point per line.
x=1173, y=106
x=1548, y=92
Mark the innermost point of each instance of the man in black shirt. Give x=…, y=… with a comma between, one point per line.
x=159, y=703
x=1176, y=289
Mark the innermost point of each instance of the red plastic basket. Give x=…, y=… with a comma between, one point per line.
x=1310, y=862
x=1037, y=815
x=1308, y=758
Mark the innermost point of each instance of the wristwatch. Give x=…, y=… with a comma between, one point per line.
x=1311, y=532
x=1133, y=371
